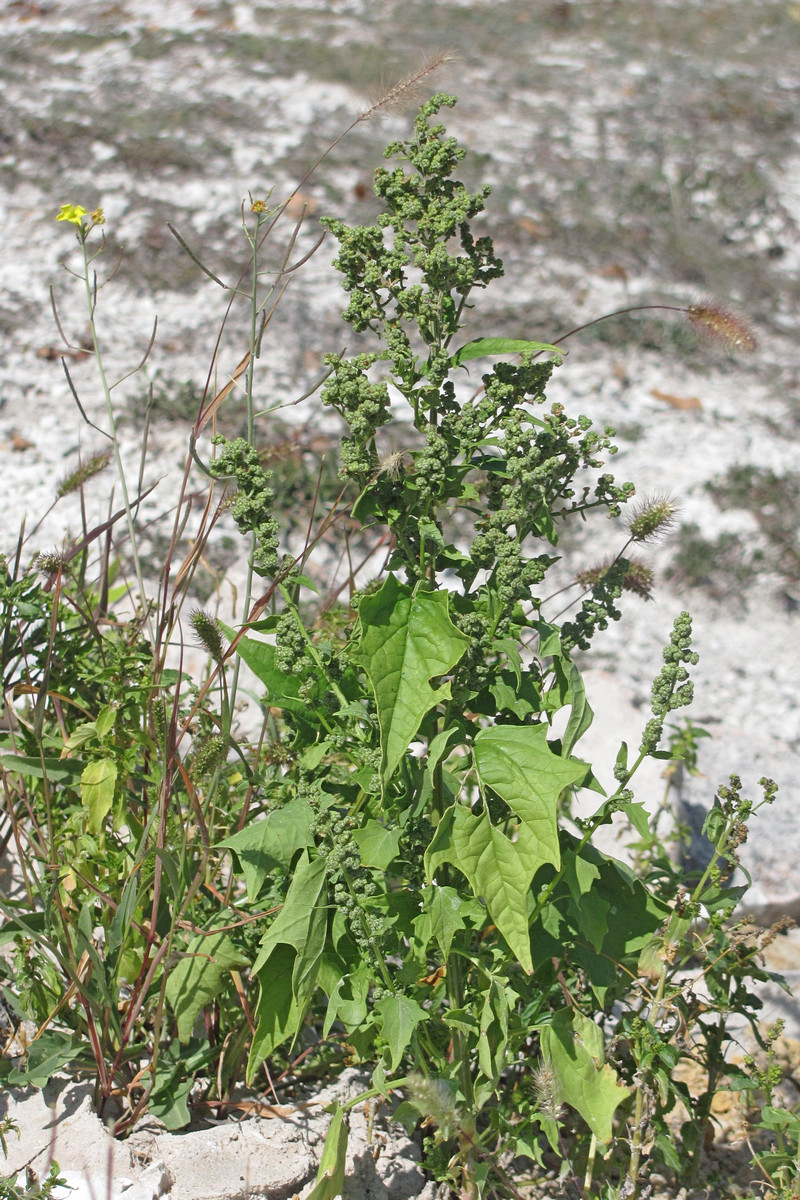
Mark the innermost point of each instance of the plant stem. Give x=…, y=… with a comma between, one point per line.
x=91, y=300
x=255, y=244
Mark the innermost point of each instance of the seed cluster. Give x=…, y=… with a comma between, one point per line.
x=672, y=687
x=252, y=504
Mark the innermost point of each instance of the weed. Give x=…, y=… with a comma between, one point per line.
x=386, y=867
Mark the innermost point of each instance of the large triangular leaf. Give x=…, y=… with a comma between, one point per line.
x=518, y=764
x=406, y=639
x=400, y=1015
x=615, y=893
x=377, y=845
x=495, y=869
x=574, y=1046
x=271, y=843
x=442, y=918
x=277, y=1015
x=288, y=961
x=590, y=907
x=296, y=919
x=197, y=978
x=347, y=1000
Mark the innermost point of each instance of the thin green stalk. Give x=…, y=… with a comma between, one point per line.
x=637, y=1139
x=255, y=244
x=91, y=300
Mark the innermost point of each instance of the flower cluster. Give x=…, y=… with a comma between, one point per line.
x=252, y=505
x=672, y=687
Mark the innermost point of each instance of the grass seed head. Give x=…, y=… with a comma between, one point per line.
x=638, y=578
x=435, y=1101
x=546, y=1090
x=75, y=481
x=406, y=91
x=651, y=519
x=50, y=562
x=722, y=325
x=392, y=465
x=208, y=632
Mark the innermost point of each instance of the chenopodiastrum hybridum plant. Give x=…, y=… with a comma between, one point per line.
x=454, y=923
x=390, y=875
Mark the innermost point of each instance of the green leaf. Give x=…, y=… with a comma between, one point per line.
x=288, y=960
x=97, y=791
x=780, y=1119
x=175, y=1077
x=197, y=979
x=581, y=715
x=633, y=914
x=437, y=750
x=518, y=764
x=493, y=1040
x=669, y=1152
x=574, y=1045
x=378, y=845
x=401, y=1015
x=495, y=870
x=489, y=347
x=271, y=844
x=170, y=1104
x=57, y=770
x=81, y=734
x=330, y=1176
x=282, y=688
x=518, y=696
x=347, y=1001
x=47, y=1055
x=461, y=1018
x=549, y=641
x=277, y=1016
x=124, y=914
x=168, y=863
x=444, y=907
x=292, y=925
x=406, y=638
x=589, y=907
x=638, y=816
x=105, y=720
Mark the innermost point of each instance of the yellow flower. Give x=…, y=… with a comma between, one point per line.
x=98, y=217
x=72, y=213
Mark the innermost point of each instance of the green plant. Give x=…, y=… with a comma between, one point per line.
x=388, y=872
x=779, y=1161
x=33, y=1188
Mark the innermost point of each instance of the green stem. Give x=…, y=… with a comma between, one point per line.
x=638, y=1114
x=91, y=301
x=249, y=386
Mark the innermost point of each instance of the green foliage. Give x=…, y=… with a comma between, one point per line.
x=388, y=873
x=33, y=1188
